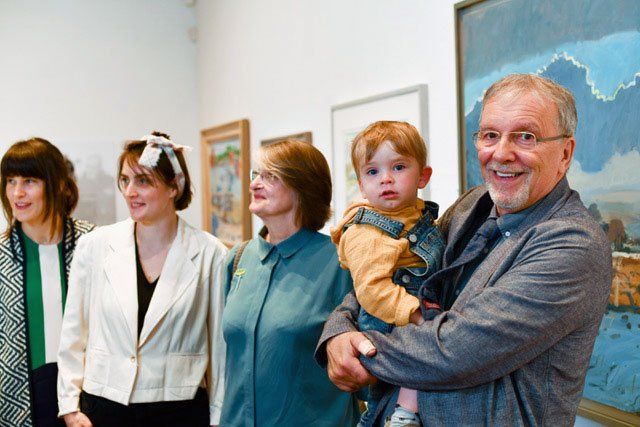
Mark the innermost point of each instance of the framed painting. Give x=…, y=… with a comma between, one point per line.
x=592, y=47
x=348, y=119
x=302, y=136
x=225, y=181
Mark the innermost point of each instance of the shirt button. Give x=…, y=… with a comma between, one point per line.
x=133, y=359
x=507, y=233
x=405, y=279
x=413, y=238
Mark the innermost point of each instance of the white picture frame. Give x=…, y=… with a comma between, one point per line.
x=348, y=119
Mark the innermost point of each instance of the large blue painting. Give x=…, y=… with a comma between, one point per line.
x=592, y=47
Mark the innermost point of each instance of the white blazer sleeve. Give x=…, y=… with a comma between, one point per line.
x=74, y=332
x=217, y=346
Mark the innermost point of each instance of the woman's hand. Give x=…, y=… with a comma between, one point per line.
x=77, y=419
x=343, y=367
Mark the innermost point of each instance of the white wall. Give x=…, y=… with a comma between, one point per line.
x=284, y=63
x=90, y=73
x=97, y=72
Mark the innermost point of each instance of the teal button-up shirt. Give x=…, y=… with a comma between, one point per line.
x=277, y=303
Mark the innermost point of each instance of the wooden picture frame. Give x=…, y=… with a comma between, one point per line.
x=225, y=181
x=302, y=136
x=598, y=60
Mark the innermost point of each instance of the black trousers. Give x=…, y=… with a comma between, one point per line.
x=44, y=397
x=107, y=413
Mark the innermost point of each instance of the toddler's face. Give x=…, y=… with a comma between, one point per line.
x=390, y=181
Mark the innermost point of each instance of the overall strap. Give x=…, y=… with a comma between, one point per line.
x=426, y=221
x=366, y=216
x=431, y=208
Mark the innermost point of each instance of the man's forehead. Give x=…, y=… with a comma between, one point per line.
x=522, y=108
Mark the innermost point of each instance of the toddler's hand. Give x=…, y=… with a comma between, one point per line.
x=416, y=317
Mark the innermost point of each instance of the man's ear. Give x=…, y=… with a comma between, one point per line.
x=425, y=176
x=567, y=154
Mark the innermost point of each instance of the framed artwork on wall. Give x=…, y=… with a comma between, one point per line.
x=94, y=169
x=225, y=181
x=592, y=47
x=349, y=118
x=302, y=136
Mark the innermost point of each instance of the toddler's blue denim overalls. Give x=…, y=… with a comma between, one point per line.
x=426, y=241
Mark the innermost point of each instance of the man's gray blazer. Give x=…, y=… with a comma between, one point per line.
x=514, y=347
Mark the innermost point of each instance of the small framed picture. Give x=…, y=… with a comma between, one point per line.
x=225, y=181
x=302, y=136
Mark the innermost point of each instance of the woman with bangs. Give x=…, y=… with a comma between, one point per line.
x=141, y=340
x=38, y=197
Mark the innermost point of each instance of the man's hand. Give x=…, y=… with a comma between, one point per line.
x=344, y=368
x=77, y=419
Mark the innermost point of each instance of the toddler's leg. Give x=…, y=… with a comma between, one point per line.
x=406, y=411
x=408, y=399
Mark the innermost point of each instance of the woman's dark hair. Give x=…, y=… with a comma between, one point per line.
x=38, y=158
x=163, y=170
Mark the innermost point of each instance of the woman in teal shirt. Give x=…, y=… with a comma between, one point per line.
x=285, y=284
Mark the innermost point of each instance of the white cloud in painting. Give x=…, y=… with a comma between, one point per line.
x=620, y=173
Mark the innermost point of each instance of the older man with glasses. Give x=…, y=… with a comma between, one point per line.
x=525, y=280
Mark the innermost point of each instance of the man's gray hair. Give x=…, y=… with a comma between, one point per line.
x=518, y=84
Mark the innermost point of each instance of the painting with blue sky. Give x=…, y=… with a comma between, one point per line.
x=592, y=47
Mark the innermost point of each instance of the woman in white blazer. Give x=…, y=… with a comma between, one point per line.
x=141, y=340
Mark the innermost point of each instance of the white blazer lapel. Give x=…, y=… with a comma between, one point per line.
x=178, y=273
x=120, y=269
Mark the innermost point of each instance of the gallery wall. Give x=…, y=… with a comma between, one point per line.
x=283, y=64
x=88, y=75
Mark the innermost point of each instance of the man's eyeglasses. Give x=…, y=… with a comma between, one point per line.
x=524, y=140
x=265, y=176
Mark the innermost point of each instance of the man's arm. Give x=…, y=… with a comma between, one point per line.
x=556, y=282
x=338, y=347
x=343, y=319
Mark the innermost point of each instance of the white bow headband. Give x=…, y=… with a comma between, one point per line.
x=151, y=154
